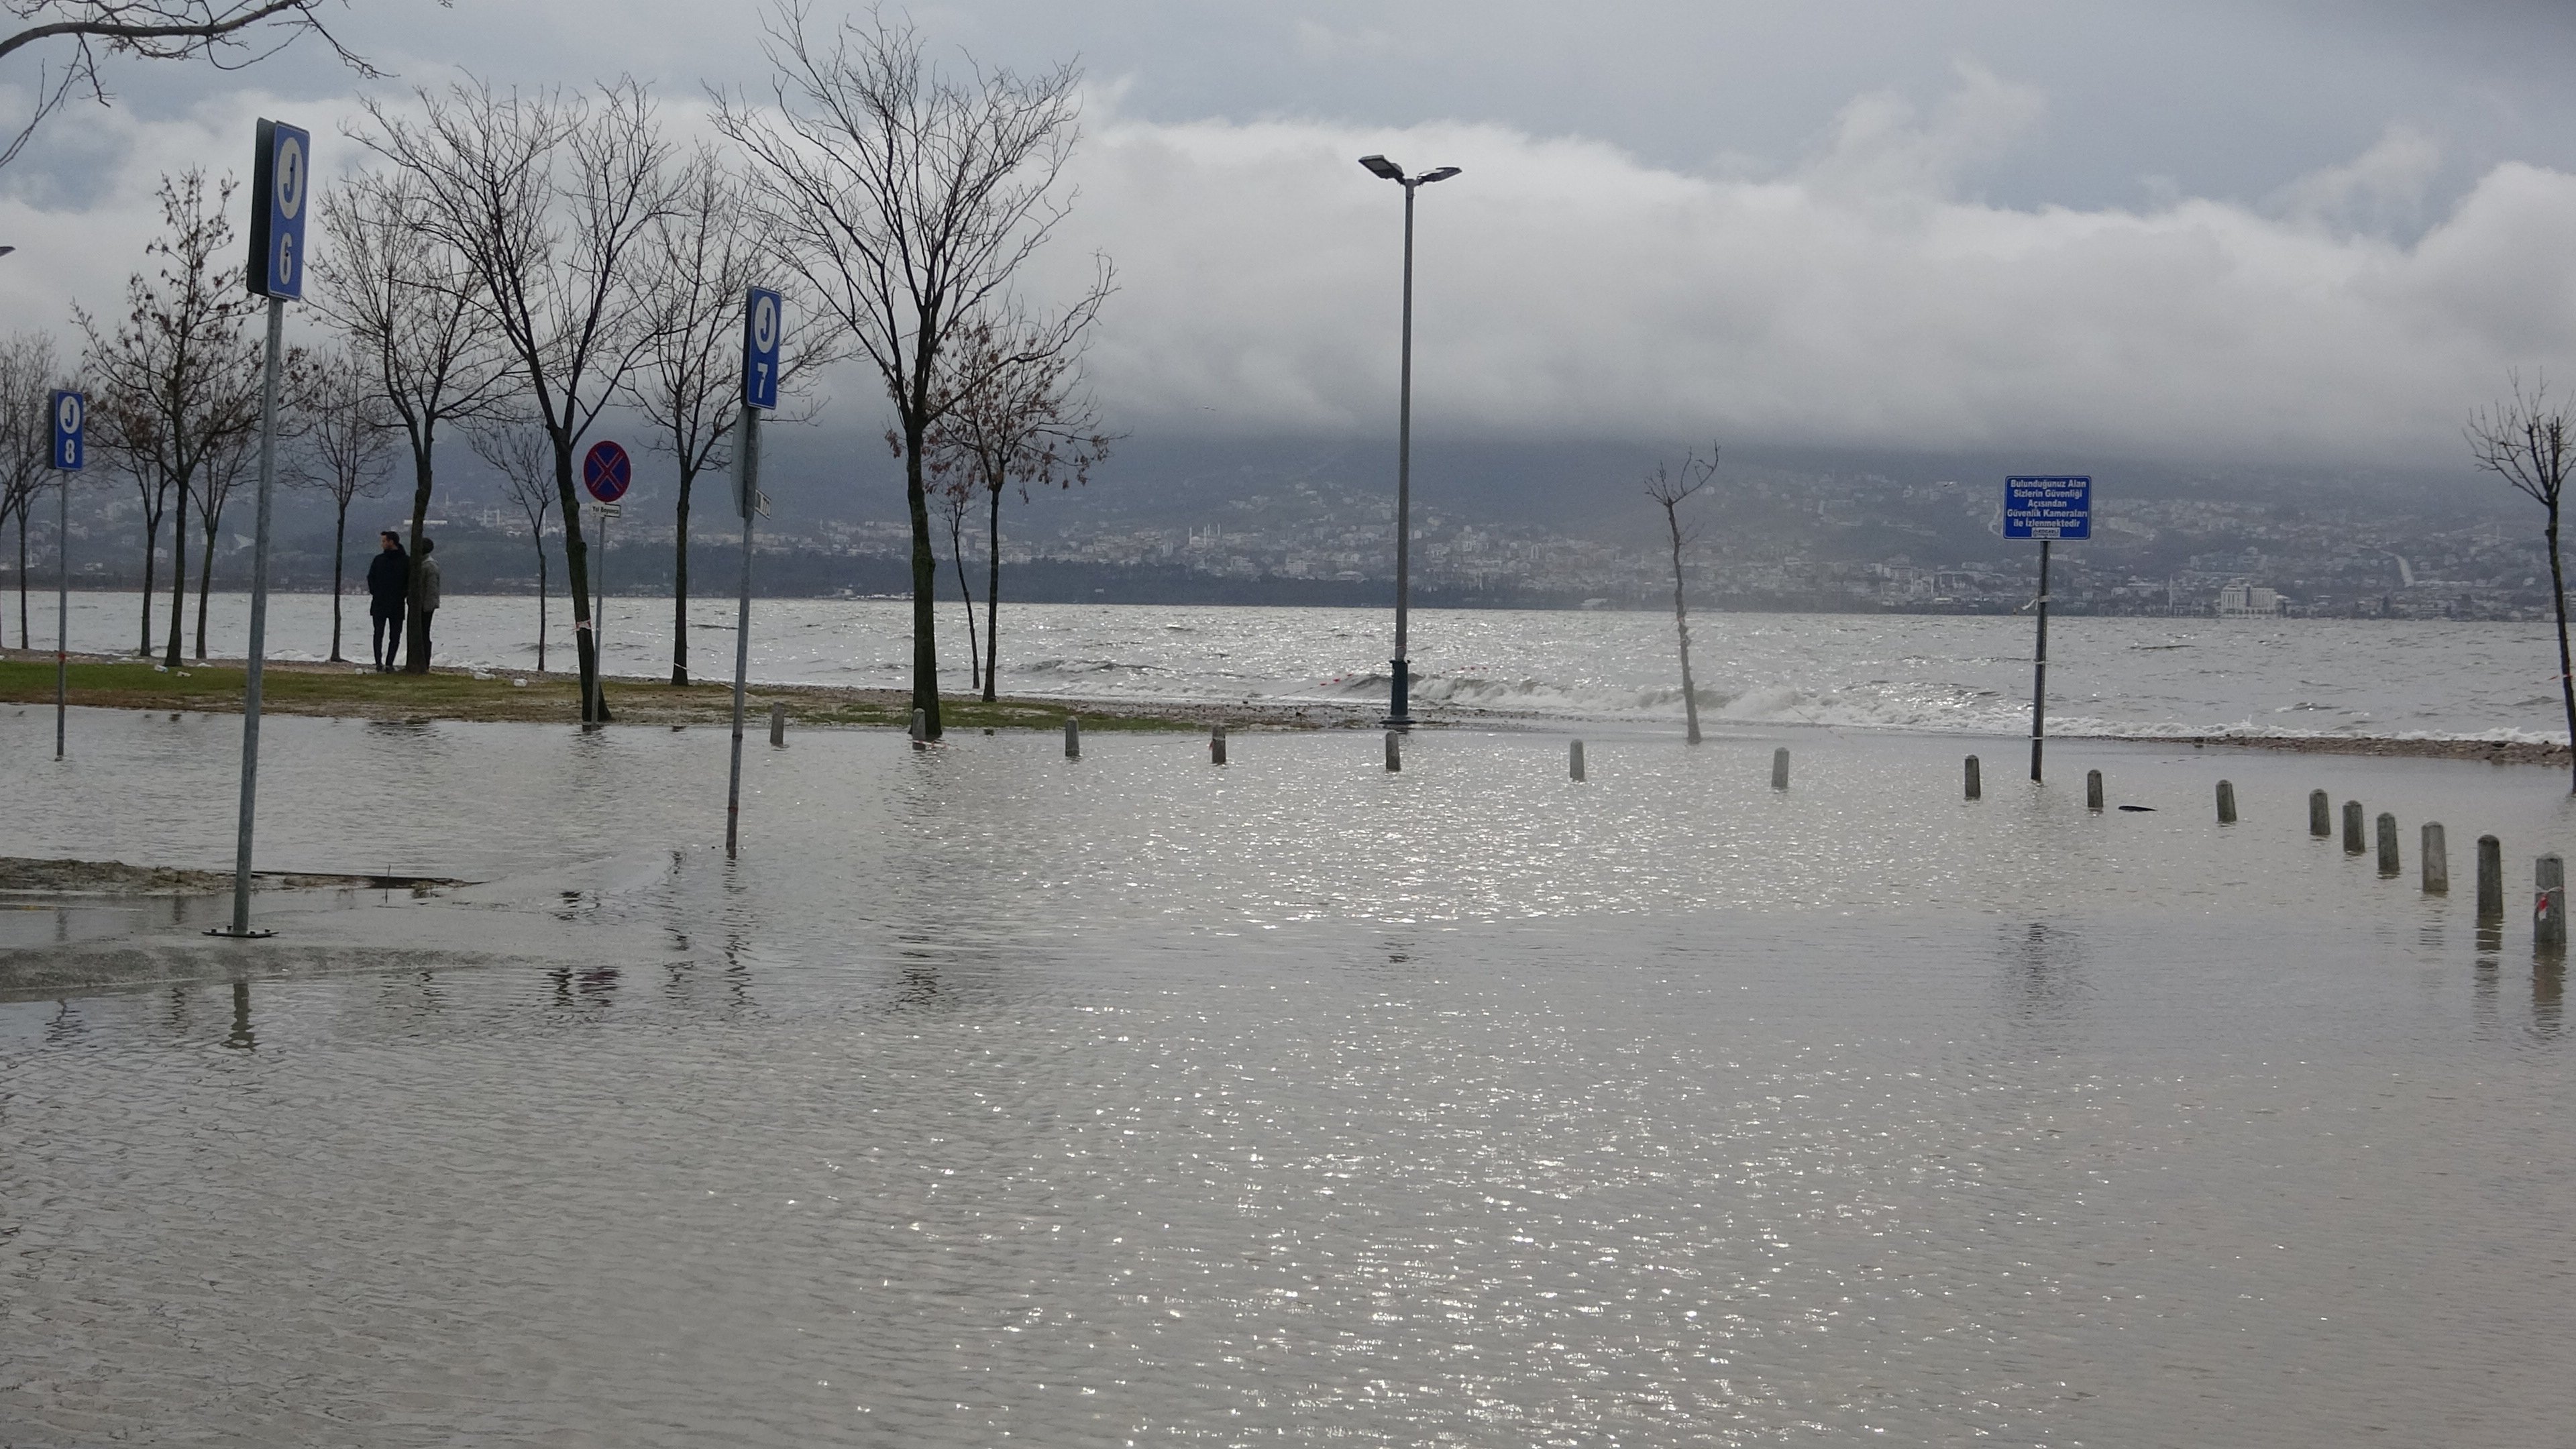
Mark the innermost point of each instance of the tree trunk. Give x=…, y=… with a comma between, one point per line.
x=1681, y=623
x=925, y=582
x=966, y=591
x=416, y=623
x=541, y=600
x=178, y=579
x=2566, y=671
x=992, y=592
x=594, y=704
x=206, y=574
x=339, y=554
x=680, y=582
x=151, y=547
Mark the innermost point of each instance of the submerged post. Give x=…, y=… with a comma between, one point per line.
x=1216, y=744
x=2388, y=863
x=1394, y=749
x=2320, y=814
x=1780, y=768
x=1574, y=761
x=1976, y=787
x=777, y=723
x=2093, y=791
x=2549, y=908
x=2353, y=844
x=921, y=729
x=2490, y=878
x=1072, y=738
x=2226, y=802
x=2436, y=853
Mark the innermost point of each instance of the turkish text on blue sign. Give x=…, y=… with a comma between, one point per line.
x=281, y=185
x=2049, y=507
x=70, y=412
x=764, y=327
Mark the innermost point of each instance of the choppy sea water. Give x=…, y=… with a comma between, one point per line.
x=2108, y=676
x=998, y=1097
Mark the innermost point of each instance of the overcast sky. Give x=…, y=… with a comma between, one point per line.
x=2232, y=231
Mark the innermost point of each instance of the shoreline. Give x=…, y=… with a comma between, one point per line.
x=346, y=691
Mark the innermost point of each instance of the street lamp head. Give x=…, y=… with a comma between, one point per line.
x=1380, y=166
x=1438, y=173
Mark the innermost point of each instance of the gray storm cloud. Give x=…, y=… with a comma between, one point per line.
x=1566, y=288
x=1864, y=295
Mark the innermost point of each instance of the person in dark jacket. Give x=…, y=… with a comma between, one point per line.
x=388, y=581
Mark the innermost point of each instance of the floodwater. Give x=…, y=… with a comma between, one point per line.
x=2146, y=677
x=997, y=1097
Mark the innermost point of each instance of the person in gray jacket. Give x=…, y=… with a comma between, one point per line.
x=424, y=594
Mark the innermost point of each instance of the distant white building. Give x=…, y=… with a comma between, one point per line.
x=2241, y=600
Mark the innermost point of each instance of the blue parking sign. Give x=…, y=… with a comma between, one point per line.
x=282, y=187
x=2059, y=507
x=70, y=411
x=764, y=327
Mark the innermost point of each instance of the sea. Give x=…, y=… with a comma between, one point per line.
x=2133, y=677
x=992, y=1096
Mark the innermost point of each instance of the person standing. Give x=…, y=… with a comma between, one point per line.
x=388, y=579
x=424, y=594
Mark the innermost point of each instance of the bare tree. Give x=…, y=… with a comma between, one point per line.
x=952, y=499
x=1024, y=420
x=524, y=457
x=2529, y=440
x=28, y=376
x=179, y=377
x=708, y=249
x=908, y=199
x=551, y=200
x=226, y=464
x=124, y=434
x=351, y=449
x=1670, y=489
x=411, y=306
x=230, y=34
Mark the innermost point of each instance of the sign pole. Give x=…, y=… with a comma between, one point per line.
x=281, y=182
x=2039, y=669
x=747, y=482
x=764, y=328
x=258, y=625
x=70, y=414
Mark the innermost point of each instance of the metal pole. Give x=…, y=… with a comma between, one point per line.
x=258, y=625
x=2039, y=669
x=63, y=613
x=1400, y=684
x=747, y=479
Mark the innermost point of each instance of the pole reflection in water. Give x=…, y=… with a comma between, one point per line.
x=243, y=1039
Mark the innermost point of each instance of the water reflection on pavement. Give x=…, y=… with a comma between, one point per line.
x=993, y=1096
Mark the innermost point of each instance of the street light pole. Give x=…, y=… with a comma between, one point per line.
x=1400, y=676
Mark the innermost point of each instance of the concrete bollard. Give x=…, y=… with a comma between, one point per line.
x=1216, y=744
x=2226, y=802
x=2353, y=844
x=2320, y=814
x=2549, y=906
x=2490, y=878
x=778, y=725
x=1574, y=761
x=1072, y=738
x=921, y=729
x=2436, y=853
x=2093, y=790
x=2388, y=862
x=1780, y=768
x=1394, y=750
x=1976, y=786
